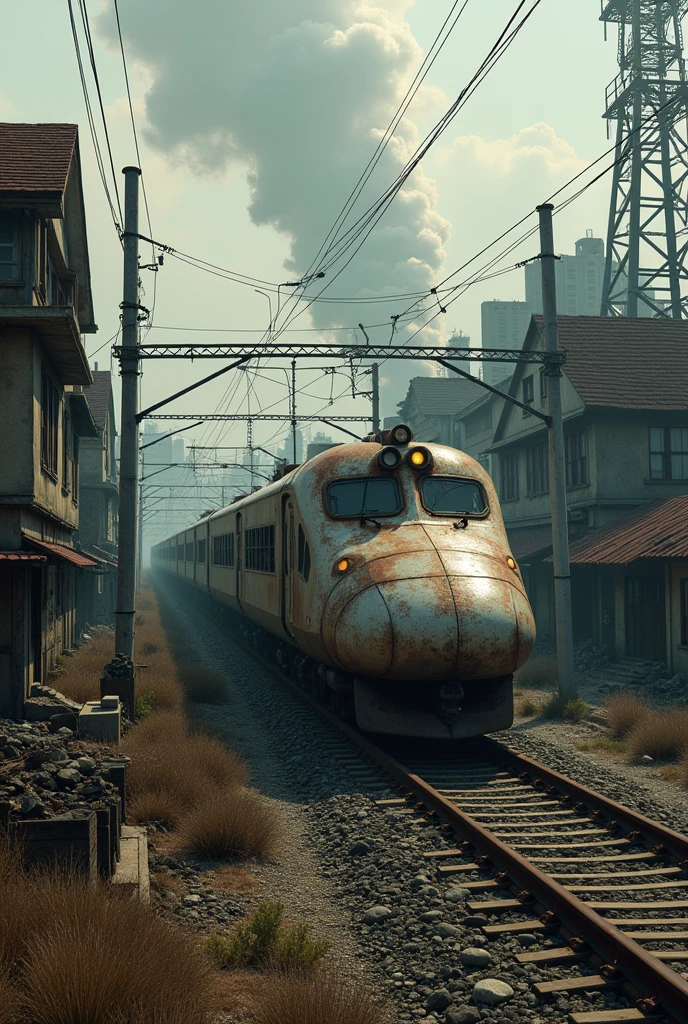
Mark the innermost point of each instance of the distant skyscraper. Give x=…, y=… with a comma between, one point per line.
x=579, y=280
x=459, y=340
x=504, y=325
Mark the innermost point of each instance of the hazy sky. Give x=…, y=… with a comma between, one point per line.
x=255, y=121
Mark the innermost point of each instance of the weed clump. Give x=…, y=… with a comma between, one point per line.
x=203, y=685
x=604, y=743
x=573, y=710
x=266, y=942
x=229, y=824
x=625, y=711
x=314, y=997
x=662, y=736
x=527, y=708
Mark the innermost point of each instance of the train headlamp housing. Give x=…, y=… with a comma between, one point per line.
x=400, y=435
x=511, y=562
x=389, y=459
x=419, y=458
x=342, y=565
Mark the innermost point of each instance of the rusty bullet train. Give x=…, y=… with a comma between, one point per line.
x=382, y=572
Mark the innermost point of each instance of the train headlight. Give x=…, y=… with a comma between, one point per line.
x=343, y=564
x=400, y=435
x=512, y=564
x=419, y=458
x=389, y=458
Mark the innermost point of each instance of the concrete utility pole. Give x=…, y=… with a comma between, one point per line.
x=557, y=466
x=376, y=397
x=129, y=429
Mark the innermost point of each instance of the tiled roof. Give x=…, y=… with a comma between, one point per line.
x=36, y=157
x=64, y=552
x=98, y=395
x=441, y=396
x=622, y=363
x=656, y=530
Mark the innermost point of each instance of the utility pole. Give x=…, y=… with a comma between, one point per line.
x=129, y=429
x=557, y=466
x=293, y=408
x=376, y=397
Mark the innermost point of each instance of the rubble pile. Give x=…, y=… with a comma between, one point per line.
x=43, y=774
x=121, y=667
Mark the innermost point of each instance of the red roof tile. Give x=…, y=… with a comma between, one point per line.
x=36, y=157
x=622, y=363
x=656, y=530
x=20, y=556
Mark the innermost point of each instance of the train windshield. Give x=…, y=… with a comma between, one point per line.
x=451, y=496
x=368, y=496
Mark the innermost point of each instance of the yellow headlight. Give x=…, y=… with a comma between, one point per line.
x=418, y=458
x=511, y=563
x=342, y=564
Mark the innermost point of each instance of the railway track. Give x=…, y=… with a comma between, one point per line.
x=543, y=854
x=606, y=887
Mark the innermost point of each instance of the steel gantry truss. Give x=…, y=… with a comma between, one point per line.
x=647, y=235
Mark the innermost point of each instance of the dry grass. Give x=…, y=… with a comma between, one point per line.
x=604, y=744
x=230, y=824
x=624, y=712
x=526, y=708
x=75, y=954
x=232, y=879
x=203, y=685
x=663, y=736
x=575, y=710
x=316, y=998
x=79, y=676
x=267, y=942
x=538, y=674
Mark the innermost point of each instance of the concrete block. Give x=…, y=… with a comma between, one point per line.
x=132, y=871
x=100, y=723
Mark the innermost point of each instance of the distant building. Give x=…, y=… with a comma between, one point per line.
x=98, y=507
x=503, y=325
x=459, y=341
x=432, y=405
x=45, y=307
x=287, y=454
x=320, y=443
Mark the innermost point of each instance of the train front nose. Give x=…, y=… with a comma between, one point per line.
x=421, y=622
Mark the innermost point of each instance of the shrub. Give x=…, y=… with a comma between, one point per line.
x=625, y=711
x=203, y=685
x=316, y=997
x=265, y=941
x=527, y=708
x=570, y=710
x=220, y=763
x=538, y=674
x=661, y=735
x=143, y=705
x=155, y=807
x=229, y=824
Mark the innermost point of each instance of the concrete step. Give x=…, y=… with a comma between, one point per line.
x=132, y=870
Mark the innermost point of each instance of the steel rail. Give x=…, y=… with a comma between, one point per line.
x=657, y=982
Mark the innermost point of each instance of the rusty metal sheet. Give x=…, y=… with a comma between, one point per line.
x=407, y=565
x=363, y=636
x=656, y=530
x=488, y=631
x=423, y=620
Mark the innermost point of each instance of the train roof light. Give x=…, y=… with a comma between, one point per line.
x=400, y=435
x=389, y=458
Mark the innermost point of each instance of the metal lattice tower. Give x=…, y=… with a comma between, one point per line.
x=647, y=236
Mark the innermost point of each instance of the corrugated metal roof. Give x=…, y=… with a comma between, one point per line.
x=656, y=530
x=530, y=542
x=65, y=553
x=626, y=362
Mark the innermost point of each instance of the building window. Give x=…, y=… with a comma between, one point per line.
x=189, y=551
x=684, y=613
x=200, y=551
x=669, y=453
x=50, y=410
x=260, y=549
x=9, y=248
x=304, y=556
x=509, y=474
x=543, y=388
x=223, y=549
x=66, y=449
x=576, y=445
x=528, y=392
x=75, y=467
x=537, y=469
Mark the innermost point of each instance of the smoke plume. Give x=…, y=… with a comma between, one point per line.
x=298, y=93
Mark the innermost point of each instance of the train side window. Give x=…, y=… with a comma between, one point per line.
x=259, y=549
x=452, y=496
x=367, y=496
x=304, y=555
x=200, y=551
x=223, y=549
x=189, y=551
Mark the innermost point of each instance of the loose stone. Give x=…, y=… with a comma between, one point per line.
x=492, y=992
x=474, y=957
x=438, y=1000
x=376, y=915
